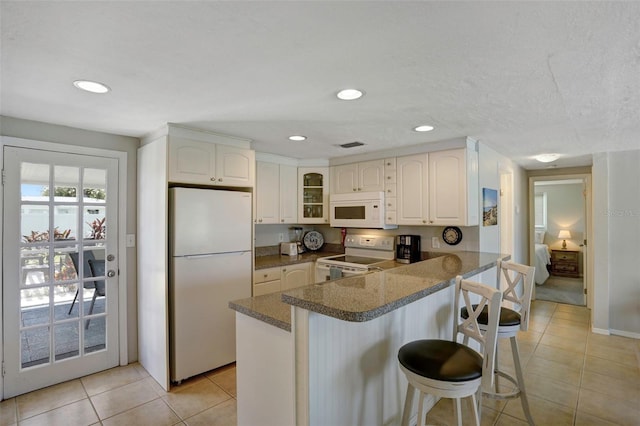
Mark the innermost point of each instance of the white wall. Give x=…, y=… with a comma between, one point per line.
x=616, y=239
x=46, y=132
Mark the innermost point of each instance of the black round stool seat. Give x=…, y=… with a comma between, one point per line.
x=441, y=360
x=508, y=317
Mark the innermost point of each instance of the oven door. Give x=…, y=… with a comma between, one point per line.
x=325, y=273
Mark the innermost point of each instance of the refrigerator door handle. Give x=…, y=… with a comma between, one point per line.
x=200, y=256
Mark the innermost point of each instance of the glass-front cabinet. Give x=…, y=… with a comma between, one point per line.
x=313, y=195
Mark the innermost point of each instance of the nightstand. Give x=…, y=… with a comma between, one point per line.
x=564, y=263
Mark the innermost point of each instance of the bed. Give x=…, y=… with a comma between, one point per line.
x=543, y=258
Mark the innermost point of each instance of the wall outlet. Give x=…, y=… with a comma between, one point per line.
x=280, y=237
x=435, y=242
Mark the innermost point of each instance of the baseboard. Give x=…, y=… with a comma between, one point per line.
x=603, y=331
x=626, y=334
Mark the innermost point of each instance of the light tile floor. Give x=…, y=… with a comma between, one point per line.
x=573, y=377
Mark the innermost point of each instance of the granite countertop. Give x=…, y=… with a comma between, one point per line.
x=268, y=308
x=365, y=297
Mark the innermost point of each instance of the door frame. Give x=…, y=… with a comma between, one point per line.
x=588, y=252
x=122, y=227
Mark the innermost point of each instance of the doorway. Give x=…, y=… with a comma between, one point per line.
x=60, y=267
x=559, y=234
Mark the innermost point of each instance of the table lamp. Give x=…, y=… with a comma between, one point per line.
x=564, y=234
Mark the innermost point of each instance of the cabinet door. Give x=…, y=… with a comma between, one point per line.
x=412, y=198
x=294, y=276
x=371, y=175
x=344, y=179
x=288, y=194
x=447, y=187
x=313, y=195
x=267, y=192
x=235, y=166
x=191, y=161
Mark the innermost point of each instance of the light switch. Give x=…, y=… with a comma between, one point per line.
x=131, y=240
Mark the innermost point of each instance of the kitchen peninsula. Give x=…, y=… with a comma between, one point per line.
x=327, y=353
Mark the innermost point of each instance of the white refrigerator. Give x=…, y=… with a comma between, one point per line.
x=210, y=265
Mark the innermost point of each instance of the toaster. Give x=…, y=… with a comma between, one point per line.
x=289, y=249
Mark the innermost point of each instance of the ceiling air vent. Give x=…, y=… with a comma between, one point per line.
x=351, y=144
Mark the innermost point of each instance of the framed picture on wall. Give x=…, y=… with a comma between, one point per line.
x=489, y=207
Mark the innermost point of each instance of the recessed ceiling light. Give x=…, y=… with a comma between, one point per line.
x=297, y=138
x=424, y=128
x=547, y=158
x=349, y=94
x=91, y=86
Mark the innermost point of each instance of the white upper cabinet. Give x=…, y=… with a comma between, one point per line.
x=313, y=195
x=438, y=188
x=453, y=187
x=267, y=192
x=235, y=166
x=288, y=194
x=412, y=203
x=364, y=176
x=276, y=193
x=206, y=163
x=344, y=178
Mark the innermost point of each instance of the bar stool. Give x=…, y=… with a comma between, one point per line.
x=448, y=369
x=511, y=321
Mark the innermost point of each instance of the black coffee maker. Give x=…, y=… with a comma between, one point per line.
x=408, y=248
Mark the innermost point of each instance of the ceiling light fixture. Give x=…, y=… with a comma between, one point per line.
x=297, y=138
x=423, y=128
x=547, y=158
x=349, y=94
x=91, y=86
x=351, y=144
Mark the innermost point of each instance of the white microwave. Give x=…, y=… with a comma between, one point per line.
x=358, y=210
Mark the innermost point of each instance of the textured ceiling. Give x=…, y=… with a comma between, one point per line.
x=522, y=77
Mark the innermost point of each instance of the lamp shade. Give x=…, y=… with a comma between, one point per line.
x=564, y=234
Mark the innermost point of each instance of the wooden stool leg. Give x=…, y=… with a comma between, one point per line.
x=496, y=377
x=478, y=402
x=458, y=412
x=520, y=378
x=408, y=403
x=476, y=410
x=421, y=415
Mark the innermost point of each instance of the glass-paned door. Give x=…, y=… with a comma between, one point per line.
x=60, y=267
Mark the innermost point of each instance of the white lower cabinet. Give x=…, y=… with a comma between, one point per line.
x=281, y=278
x=294, y=276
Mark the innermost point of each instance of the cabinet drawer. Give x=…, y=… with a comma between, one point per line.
x=390, y=203
x=567, y=256
x=263, y=275
x=389, y=176
x=566, y=267
x=391, y=218
x=389, y=164
x=390, y=189
x=266, y=288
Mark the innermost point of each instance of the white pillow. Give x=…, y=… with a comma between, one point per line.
x=540, y=237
